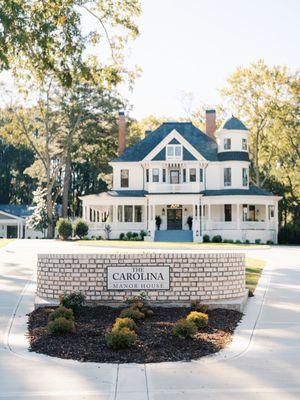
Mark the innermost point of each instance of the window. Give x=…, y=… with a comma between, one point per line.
x=137, y=213
x=147, y=175
x=244, y=144
x=245, y=212
x=201, y=175
x=155, y=175
x=271, y=212
x=184, y=175
x=124, y=178
x=174, y=176
x=164, y=175
x=120, y=213
x=245, y=176
x=174, y=152
x=227, y=144
x=193, y=175
x=227, y=212
x=128, y=213
x=227, y=176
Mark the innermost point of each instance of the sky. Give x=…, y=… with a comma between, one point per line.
x=192, y=46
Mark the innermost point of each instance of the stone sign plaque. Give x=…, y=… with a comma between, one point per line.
x=138, y=278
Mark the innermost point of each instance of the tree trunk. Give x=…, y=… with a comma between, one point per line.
x=257, y=177
x=66, y=186
x=50, y=229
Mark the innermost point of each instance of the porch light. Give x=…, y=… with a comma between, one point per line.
x=163, y=211
x=197, y=233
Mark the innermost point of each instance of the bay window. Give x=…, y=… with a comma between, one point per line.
x=245, y=176
x=227, y=144
x=124, y=178
x=227, y=176
x=192, y=174
x=155, y=175
x=128, y=213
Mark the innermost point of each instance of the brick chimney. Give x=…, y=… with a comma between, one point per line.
x=210, y=123
x=122, y=132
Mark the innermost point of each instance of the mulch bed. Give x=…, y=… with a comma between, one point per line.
x=155, y=343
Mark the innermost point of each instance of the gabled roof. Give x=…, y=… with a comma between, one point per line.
x=206, y=146
x=235, y=124
x=22, y=210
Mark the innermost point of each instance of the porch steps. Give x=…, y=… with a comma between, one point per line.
x=173, y=236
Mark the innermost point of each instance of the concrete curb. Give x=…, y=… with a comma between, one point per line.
x=17, y=342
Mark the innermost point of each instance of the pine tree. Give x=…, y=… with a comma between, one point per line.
x=39, y=219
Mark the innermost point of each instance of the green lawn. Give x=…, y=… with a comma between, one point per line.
x=165, y=245
x=254, y=269
x=4, y=242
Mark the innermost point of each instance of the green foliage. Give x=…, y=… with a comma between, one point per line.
x=61, y=325
x=289, y=234
x=133, y=313
x=74, y=300
x=81, y=228
x=140, y=300
x=121, y=323
x=196, y=305
x=129, y=235
x=270, y=242
x=257, y=241
x=238, y=242
x=64, y=228
x=61, y=312
x=184, y=329
x=247, y=241
x=217, y=239
x=122, y=235
x=120, y=339
x=198, y=318
x=206, y=239
x=143, y=234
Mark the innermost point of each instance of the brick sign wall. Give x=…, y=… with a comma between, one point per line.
x=207, y=277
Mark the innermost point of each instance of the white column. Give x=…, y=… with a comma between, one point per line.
x=238, y=221
x=276, y=221
x=209, y=216
x=267, y=217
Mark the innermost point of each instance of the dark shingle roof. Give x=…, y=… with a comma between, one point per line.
x=234, y=123
x=199, y=140
x=127, y=193
x=252, y=191
x=17, y=210
x=233, y=156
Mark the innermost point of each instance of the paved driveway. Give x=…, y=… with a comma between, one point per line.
x=263, y=362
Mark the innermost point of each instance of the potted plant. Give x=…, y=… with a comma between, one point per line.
x=190, y=222
x=158, y=222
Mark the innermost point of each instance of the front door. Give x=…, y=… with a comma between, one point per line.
x=174, y=218
x=12, y=231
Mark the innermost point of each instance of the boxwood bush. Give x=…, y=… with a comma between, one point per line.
x=217, y=239
x=81, y=228
x=198, y=318
x=74, y=300
x=120, y=339
x=61, y=325
x=64, y=228
x=133, y=313
x=184, y=329
x=206, y=239
x=121, y=323
x=61, y=312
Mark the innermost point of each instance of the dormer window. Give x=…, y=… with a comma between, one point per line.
x=244, y=144
x=227, y=144
x=174, y=152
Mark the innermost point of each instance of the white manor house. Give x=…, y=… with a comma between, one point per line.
x=194, y=183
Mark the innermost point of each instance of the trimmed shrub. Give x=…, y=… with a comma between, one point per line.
x=143, y=234
x=64, y=228
x=184, y=329
x=270, y=242
x=129, y=235
x=217, y=239
x=197, y=306
x=257, y=241
x=73, y=300
x=81, y=228
x=61, y=325
x=122, y=235
x=132, y=313
x=61, y=312
x=135, y=235
x=247, y=241
x=120, y=339
x=206, y=239
x=198, y=318
x=238, y=242
x=121, y=323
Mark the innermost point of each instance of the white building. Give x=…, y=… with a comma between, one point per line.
x=13, y=222
x=177, y=172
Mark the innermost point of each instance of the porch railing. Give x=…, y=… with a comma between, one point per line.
x=229, y=225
